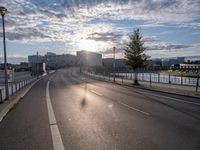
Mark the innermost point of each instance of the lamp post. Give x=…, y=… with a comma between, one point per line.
x=37, y=65
x=114, y=64
x=3, y=11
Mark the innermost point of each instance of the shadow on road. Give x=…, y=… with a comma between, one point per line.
x=84, y=102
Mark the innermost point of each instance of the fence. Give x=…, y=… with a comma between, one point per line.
x=14, y=87
x=157, y=78
x=151, y=78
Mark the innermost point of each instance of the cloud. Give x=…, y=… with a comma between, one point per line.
x=110, y=36
x=62, y=16
x=71, y=21
x=167, y=46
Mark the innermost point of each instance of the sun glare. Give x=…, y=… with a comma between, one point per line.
x=89, y=45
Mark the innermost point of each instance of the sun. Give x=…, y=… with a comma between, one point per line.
x=89, y=45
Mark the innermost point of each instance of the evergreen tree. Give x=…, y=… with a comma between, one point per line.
x=135, y=56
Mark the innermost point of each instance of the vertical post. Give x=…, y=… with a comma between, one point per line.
x=19, y=86
x=150, y=80
x=1, y=98
x=197, y=84
x=181, y=79
x=5, y=59
x=37, y=65
x=158, y=77
x=142, y=76
x=114, y=64
x=11, y=88
x=169, y=79
x=15, y=87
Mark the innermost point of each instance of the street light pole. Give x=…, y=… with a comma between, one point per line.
x=37, y=64
x=3, y=11
x=114, y=64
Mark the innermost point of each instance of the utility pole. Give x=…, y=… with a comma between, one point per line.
x=3, y=11
x=114, y=64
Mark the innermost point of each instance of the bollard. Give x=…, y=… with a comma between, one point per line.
x=158, y=77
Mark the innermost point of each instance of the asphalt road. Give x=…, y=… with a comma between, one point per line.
x=87, y=114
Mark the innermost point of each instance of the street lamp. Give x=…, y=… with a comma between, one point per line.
x=3, y=11
x=114, y=64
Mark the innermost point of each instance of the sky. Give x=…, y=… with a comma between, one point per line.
x=170, y=28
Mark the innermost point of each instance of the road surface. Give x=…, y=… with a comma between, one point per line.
x=68, y=111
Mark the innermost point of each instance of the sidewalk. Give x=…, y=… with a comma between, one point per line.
x=7, y=105
x=162, y=87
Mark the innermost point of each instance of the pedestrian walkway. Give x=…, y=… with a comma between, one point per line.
x=7, y=105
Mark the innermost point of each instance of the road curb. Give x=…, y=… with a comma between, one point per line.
x=13, y=102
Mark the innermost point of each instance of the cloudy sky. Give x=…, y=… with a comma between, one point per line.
x=170, y=28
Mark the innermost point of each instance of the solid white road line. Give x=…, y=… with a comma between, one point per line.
x=172, y=98
x=56, y=137
x=97, y=93
x=135, y=109
x=179, y=100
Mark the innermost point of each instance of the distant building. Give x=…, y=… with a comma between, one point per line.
x=35, y=59
x=189, y=66
x=90, y=59
x=54, y=61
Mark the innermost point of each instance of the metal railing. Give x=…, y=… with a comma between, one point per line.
x=14, y=87
x=151, y=78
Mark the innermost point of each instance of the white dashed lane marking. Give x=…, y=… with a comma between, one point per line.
x=135, y=109
x=97, y=93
